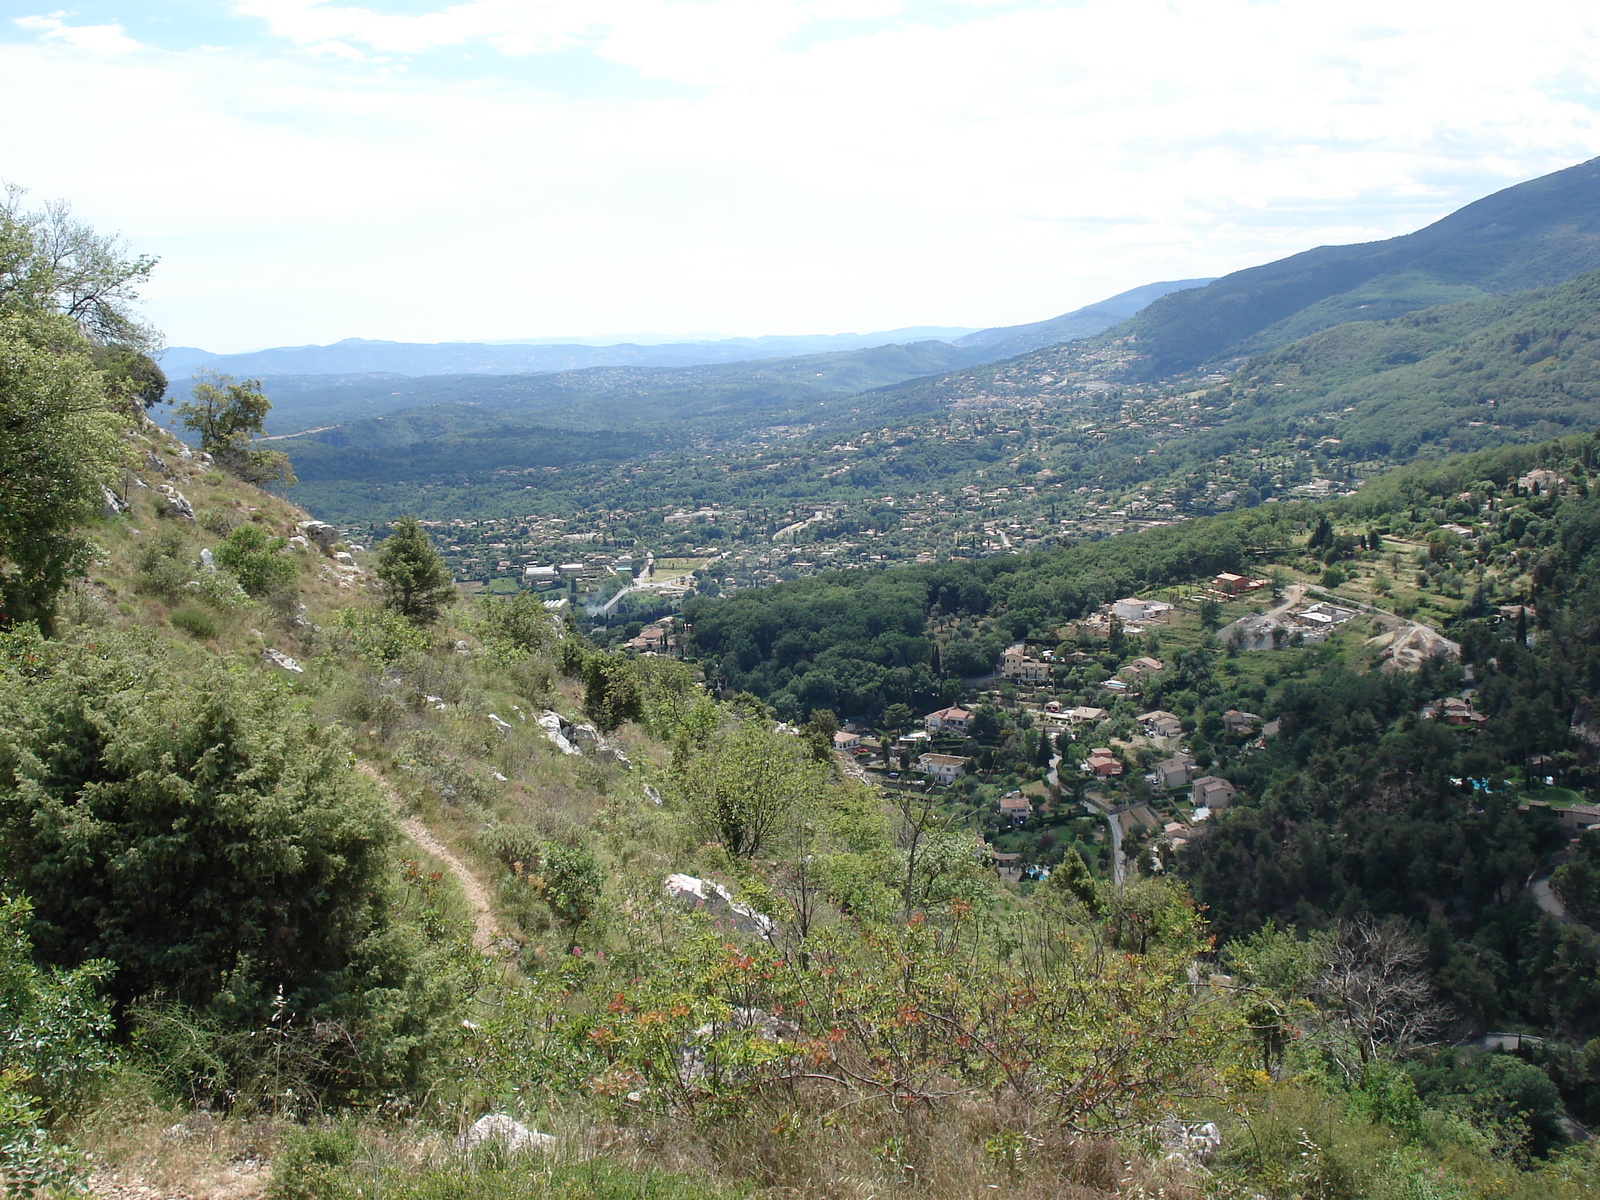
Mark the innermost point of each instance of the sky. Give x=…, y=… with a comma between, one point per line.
x=498, y=169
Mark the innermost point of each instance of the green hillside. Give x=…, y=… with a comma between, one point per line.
x=322, y=879
x=619, y=398
x=1532, y=235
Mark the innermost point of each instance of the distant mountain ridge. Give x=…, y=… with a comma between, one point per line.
x=347, y=360
x=1085, y=322
x=596, y=395
x=354, y=356
x=1535, y=234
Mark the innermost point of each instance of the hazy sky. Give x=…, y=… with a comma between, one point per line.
x=524, y=168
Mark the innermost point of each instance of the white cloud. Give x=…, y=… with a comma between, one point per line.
x=783, y=165
x=96, y=39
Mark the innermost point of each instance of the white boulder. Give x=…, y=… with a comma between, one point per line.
x=177, y=503
x=320, y=532
x=713, y=897
x=512, y=1136
x=555, y=728
x=279, y=659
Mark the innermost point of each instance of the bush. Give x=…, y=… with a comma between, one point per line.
x=378, y=635
x=163, y=568
x=196, y=622
x=53, y=1030
x=571, y=881
x=220, y=521
x=256, y=560
x=211, y=842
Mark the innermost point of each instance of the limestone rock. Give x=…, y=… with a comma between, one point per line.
x=279, y=659
x=177, y=503
x=503, y=728
x=512, y=1136
x=555, y=728
x=1191, y=1144
x=208, y=561
x=716, y=899
x=593, y=743
x=693, y=1064
x=111, y=503
x=320, y=532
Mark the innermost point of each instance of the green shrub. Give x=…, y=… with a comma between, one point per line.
x=163, y=568
x=124, y=804
x=256, y=560
x=53, y=1030
x=220, y=521
x=313, y=1165
x=572, y=881
x=194, y=621
x=379, y=635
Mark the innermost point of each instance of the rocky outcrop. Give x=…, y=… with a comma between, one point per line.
x=555, y=728
x=279, y=659
x=711, y=896
x=111, y=504
x=1193, y=1145
x=177, y=503
x=320, y=533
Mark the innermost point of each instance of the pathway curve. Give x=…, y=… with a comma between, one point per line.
x=485, y=929
x=1545, y=897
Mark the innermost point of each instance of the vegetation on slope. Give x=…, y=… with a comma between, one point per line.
x=864, y=1006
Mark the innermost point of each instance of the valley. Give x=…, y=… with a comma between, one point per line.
x=1151, y=751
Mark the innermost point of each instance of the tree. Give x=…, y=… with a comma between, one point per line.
x=59, y=445
x=228, y=415
x=741, y=789
x=1210, y=613
x=1071, y=880
x=1374, y=992
x=64, y=291
x=132, y=373
x=818, y=733
x=51, y=264
x=416, y=582
x=611, y=692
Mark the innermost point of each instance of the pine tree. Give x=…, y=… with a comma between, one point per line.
x=416, y=582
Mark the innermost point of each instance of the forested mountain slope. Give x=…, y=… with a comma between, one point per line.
x=1532, y=235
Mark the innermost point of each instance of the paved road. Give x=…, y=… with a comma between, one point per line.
x=1095, y=806
x=1095, y=803
x=649, y=569
x=1546, y=899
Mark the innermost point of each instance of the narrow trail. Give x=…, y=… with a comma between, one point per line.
x=484, y=927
